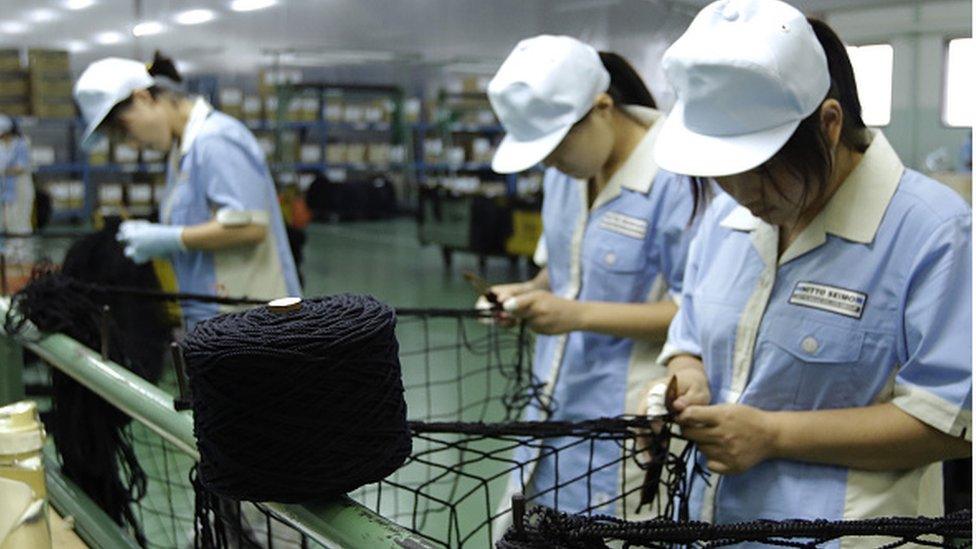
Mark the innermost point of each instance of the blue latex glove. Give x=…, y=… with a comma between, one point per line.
x=144, y=240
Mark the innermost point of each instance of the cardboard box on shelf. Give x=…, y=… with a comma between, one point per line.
x=48, y=60
x=50, y=85
x=289, y=147
x=270, y=79
x=311, y=153
x=356, y=153
x=53, y=109
x=433, y=150
x=110, y=193
x=66, y=194
x=149, y=155
x=140, y=194
x=17, y=107
x=267, y=145
x=335, y=153
x=125, y=154
x=234, y=110
x=481, y=150
x=354, y=113
x=14, y=84
x=252, y=108
x=42, y=155
x=310, y=109
x=378, y=153
x=411, y=110
x=230, y=97
x=10, y=59
x=474, y=84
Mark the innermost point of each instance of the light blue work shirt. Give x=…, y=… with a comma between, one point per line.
x=629, y=247
x=13, y=154
x=870, y=304
x=218, y=171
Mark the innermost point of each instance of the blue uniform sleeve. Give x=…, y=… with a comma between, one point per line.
x=935, y=383
x=234, y=176
x=683, y=332
x=21, y=155
x=674, y=233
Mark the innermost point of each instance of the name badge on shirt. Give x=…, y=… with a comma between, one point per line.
x=624, y=224
x=829, y=298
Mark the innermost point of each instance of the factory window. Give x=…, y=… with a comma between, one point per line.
x=872, y=71
x=958, y=108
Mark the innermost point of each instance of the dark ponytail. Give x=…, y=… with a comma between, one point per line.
x=164, y=67
x=626, y=86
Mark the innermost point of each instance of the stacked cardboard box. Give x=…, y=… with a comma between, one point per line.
x=50, y=84
x=14, y=85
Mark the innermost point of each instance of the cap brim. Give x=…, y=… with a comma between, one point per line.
x=686, y=152
x=91, y=137
x=515, y=156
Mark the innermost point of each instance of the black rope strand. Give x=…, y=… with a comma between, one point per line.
x=545, y=527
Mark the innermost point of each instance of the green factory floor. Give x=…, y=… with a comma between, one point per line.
x=384, y=259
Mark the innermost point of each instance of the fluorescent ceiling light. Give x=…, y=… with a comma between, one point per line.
x=76, y=46
x=13, y=27
x=109, y=37
x=251, y=5
x=334, y=57
x=195, y=17
x=42, y=15
x=78, y=4
x=147, y=28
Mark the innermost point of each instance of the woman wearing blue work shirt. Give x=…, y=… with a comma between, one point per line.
x=16, y=187
x=615, y=243
x=823, y=346
x=220, y=223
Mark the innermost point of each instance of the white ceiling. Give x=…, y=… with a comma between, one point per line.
x=416, y=33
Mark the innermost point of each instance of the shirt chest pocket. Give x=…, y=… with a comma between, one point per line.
x=618, y=254
x=821, y=359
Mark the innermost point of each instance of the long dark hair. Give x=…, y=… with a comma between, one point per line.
x=626, y=86
x=162, y=68
x=807, y=153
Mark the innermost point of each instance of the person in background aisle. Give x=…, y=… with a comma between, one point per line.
x=615, y=233
x=220, y=222
x=823, y=349
x=16, y=188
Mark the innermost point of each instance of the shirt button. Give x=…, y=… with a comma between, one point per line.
x=810, y=345
x=610, y=258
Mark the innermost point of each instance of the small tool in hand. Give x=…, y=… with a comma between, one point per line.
x=481, y=286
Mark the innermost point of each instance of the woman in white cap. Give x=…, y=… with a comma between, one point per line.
x=220, y=223
x=615, y=239
x=16, y=186
x=823, y=347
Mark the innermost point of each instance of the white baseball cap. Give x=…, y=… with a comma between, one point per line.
x=6, y=124
x=105, y=84
x=746, y=73
x=547, y=84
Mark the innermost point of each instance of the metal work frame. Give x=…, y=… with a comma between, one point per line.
x=338, y=522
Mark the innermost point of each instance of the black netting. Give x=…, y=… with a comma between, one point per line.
x=548, y=528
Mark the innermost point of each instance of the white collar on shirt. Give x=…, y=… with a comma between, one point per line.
x=638, y=171
x=194, y=123
x=857, y=208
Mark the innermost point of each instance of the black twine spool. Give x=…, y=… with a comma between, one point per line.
x=300, y=405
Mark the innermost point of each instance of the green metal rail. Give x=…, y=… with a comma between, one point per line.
x=336, y=523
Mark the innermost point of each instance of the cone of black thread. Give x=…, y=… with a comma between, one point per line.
x=295, y=406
